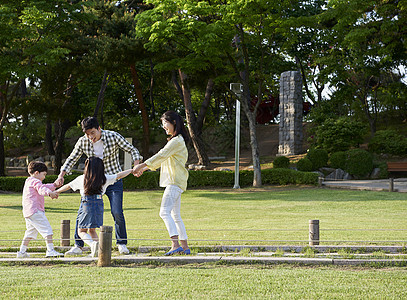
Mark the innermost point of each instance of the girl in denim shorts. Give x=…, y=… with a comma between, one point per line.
x=92, y=185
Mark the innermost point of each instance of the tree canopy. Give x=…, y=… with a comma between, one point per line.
x=129, y=61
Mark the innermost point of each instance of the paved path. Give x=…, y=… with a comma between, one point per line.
x=325, y=255
x=219, y=258
x=400, y=184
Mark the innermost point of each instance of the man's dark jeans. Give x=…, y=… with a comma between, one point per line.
x=115, y=194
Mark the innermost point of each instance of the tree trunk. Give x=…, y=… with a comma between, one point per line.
x=2, y=155
x=199, y=147
x=61, y=127
x=5, y=102
x=144, y=115
x=151, y=90
x=101, y=96
x=48, y=138
x=304, y=79
x=24, y=116
x=251, y=116
x=204, y=106
x=176, y=84
x=371, y=119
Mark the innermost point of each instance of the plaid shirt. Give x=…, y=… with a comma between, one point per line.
x=112, y=141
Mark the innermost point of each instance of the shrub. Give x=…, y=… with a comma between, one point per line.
x=339, y=135
x=359, y=162
x=16, y=184
x=389, y=142
x=383, y=174
x=305, y=165
x=281, y=162
x=150, y=180
x=318, y=158
x=338, y=160
x=288, y=176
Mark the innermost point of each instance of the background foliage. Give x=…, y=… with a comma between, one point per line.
x=62, y=61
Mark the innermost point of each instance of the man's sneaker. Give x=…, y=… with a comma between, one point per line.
x=53, y=253
x=94, y=249
x=75, y=250
x=22, y=255
x=123, y=249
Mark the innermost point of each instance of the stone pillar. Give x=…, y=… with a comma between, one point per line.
x=291, y=110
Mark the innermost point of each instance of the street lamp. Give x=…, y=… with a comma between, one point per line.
x=237, y=88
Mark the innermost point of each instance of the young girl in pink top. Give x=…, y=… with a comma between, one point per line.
x=33, y=208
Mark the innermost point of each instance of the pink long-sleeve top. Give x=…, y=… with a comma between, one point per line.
x=33, y=195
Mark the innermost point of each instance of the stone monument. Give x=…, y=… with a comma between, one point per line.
x=291, y=110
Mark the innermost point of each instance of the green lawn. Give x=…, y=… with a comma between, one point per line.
x=271, y=216
x=201, y=282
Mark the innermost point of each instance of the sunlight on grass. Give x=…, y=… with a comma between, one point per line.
x=273, y=216
x=201, y=282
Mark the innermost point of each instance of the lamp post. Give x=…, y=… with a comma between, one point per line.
x=237, y=88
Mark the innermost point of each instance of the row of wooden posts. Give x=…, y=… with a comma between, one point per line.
x=105, y=239
x=105, y=242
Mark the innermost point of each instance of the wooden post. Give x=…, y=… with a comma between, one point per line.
x=105, y=246
x=313, y=232
x=391, y=184
x=65, y=232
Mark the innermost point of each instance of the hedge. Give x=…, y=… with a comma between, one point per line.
x=16, y=184
x=150, y=180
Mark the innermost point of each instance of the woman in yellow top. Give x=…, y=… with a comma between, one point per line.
x=172, y=159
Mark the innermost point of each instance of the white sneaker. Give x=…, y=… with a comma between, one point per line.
x=123, y=249
x=22, y=255
x=53, y=253
x=94, y=249
x=75, y=250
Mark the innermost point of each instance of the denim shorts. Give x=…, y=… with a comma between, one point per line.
x=90, y=214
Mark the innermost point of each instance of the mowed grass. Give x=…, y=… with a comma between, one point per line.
x=201, y=282
x=269, y=216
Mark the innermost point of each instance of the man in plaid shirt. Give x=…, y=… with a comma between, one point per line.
x=104, y=144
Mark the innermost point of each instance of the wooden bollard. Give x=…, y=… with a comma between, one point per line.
x=105, y=246
x=391, y=184
x=65, y=232
x=313, y=232
x=320, y=179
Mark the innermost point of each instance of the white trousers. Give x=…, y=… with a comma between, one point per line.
x=170, y=212
x=38, y=222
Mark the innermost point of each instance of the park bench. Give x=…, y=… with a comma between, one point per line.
x=393, y=167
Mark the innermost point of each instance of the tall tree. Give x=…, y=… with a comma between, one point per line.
x=367, y=47
x=30, y=39
x=118, y=50
x=233, y=38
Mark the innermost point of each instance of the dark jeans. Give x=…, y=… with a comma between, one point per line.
x=115, y=194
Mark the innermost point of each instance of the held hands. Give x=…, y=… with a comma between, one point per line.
x=53, y=195
x=59, y=181
x=139, y=169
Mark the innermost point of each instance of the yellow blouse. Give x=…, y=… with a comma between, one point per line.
x=172, y=159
